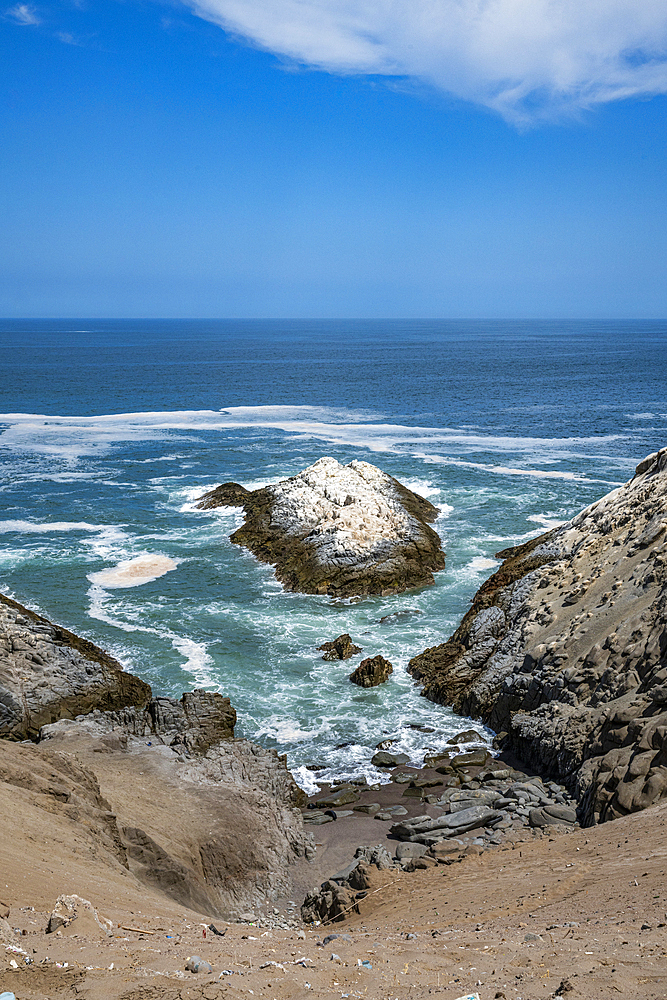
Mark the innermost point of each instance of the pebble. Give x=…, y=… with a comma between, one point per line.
x=197, y=964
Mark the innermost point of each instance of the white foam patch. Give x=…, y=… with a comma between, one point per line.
x=504, y=470
x=198, y=661
x=305, y=779
x=45, y=527
x=134, y=572
x=422, y=487
x=71, y=438
x=546, y=522
x=480, y=564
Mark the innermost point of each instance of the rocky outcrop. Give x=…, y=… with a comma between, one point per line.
x=337, y=897
x=338, y=530
x=564, y=650
x=341, y=648
x=48, y=673
x=371, y=672
x=153, y=785
x=194, y=724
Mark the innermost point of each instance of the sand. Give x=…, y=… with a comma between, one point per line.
x=587, y=910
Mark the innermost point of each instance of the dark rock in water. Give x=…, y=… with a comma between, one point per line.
x=341, y=648
x=397, y=616
x=384, y=759
x=338, y=530
x=371, y=672
x=565, y=650
x=48, y=673
x=467, y=736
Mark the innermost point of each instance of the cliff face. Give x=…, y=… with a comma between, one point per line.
x=217, y=832
x=48, y=673
x=565, y=650
x=153, y=785
x=338, y=529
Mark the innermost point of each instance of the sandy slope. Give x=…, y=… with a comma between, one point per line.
x=589, y=908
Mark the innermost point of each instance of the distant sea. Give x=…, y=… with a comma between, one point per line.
x=111, y=430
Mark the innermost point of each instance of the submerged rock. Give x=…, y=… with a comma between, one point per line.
x=565, y=650
x=341, y=648
x=371, y=672
x=338, y=529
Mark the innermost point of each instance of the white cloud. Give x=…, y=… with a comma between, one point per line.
x=526, y=59
x=23, y=13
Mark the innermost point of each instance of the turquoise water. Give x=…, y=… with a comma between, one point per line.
x=110, y=430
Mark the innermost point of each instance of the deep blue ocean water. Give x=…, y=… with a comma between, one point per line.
x=110, y=430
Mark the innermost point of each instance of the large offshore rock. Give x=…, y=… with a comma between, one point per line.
x=338, y=529
x=565, y=650
x=48, y=673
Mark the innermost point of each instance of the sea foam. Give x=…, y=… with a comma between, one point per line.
x=134, y=572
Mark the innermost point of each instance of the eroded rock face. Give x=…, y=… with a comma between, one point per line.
x=565, y=650
x=48, y=673
x=371, y=672
x=338, y=530
x=198, y=721
x=217, y=832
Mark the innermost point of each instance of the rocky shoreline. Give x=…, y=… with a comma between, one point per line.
x=564, y=650
x=154, y=811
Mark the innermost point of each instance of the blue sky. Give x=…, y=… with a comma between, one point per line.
x=334, y=159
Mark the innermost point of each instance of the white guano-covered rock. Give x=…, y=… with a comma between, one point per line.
x=338, y=529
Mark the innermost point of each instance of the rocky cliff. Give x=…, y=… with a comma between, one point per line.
x=156, y=787
x=338, y=529
x=48, y=673
x=564, y=650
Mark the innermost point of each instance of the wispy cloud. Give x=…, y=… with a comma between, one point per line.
x=68, y=39
x=526, y=59
x=23, y=13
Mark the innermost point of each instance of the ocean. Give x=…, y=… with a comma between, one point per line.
x=110, y=431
